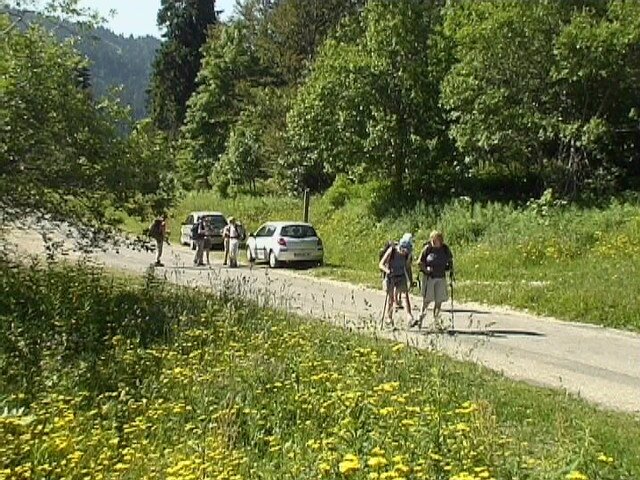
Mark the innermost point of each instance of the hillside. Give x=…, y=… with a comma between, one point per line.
x=119, y=60
x=116, y=60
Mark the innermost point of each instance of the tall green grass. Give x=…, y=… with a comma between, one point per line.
x=111, y=378
x=580, y=264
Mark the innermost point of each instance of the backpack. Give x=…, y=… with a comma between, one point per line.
x=155, y=229
x=195, y=229
x=242, y=234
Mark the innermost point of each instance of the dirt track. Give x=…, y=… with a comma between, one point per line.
x=599, y=364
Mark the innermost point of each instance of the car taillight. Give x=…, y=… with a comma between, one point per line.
x=282, y=242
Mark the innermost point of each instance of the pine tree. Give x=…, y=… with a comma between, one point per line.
x=176, y=66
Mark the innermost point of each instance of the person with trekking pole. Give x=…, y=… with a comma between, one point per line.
x=435, y=261
x=396, y=265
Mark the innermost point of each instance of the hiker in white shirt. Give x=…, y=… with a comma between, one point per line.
x=234, y=242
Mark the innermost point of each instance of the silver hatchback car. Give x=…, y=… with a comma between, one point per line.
x=279, y=242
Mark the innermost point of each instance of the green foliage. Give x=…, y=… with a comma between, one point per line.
x=287, y=34
x=109, y=377
x=149, y=169
x=60, y=317
x=63, y=153
x=546, y=87
x=370, y=105
x=178, y=61
x=60, y=151
x=115, y=62
x=227, y=67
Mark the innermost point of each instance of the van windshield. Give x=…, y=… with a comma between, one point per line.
x=298, y=231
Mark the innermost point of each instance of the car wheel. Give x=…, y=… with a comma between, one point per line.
x=273, y=261
x=250, y=258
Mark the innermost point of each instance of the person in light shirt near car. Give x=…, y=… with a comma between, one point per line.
x=233, y=236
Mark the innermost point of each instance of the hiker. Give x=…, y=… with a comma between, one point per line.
x=158, y=231
x=233, y=236
x=208, y=239
x=435, y=260
x=396, y=265
x=225, y=242
x=197, y=234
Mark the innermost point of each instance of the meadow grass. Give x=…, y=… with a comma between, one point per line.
x=574, y=263
x=105, y=378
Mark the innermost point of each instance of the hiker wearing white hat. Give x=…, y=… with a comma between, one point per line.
x=396, y=264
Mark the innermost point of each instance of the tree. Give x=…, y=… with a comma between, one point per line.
x=546, y=87
x=178, y=61
x=370, y=105
x=228, y=70
x=288, y=33
x=61, y=152
x=256, y=142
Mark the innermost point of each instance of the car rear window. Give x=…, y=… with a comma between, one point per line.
x=214, y=221
x=298, y=231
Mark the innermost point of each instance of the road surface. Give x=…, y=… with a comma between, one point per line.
x=598, y=364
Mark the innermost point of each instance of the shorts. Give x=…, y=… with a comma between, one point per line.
x=435, y=290
x=398, y=283
x=208, y=243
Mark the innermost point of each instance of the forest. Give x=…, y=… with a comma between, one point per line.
x=424, y=100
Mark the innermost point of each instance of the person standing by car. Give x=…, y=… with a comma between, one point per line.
x=158, y=231
x=396, y=264
x=234, y=242
x=435, y=260
x=197, y=233
x=225, y=242
x=208, y=237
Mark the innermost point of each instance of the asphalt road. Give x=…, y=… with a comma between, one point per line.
x=598, y=364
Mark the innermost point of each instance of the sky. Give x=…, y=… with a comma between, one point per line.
x=138, y=17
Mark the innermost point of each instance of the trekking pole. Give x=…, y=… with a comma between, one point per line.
x=451, y=285
x=384, y=309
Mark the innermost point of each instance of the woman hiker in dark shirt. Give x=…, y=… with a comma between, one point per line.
x=435, y=260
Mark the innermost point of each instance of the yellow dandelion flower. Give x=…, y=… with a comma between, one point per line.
x=604, y=458
x=576, y=475
x=402, y=469
x=349, y=464
x=377, y=462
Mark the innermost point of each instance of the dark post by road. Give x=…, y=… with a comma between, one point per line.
x=306, y=205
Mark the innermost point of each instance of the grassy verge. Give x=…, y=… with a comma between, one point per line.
x=108, y=379
x=565, y=261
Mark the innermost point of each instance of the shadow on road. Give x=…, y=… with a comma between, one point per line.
x=493, y=332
